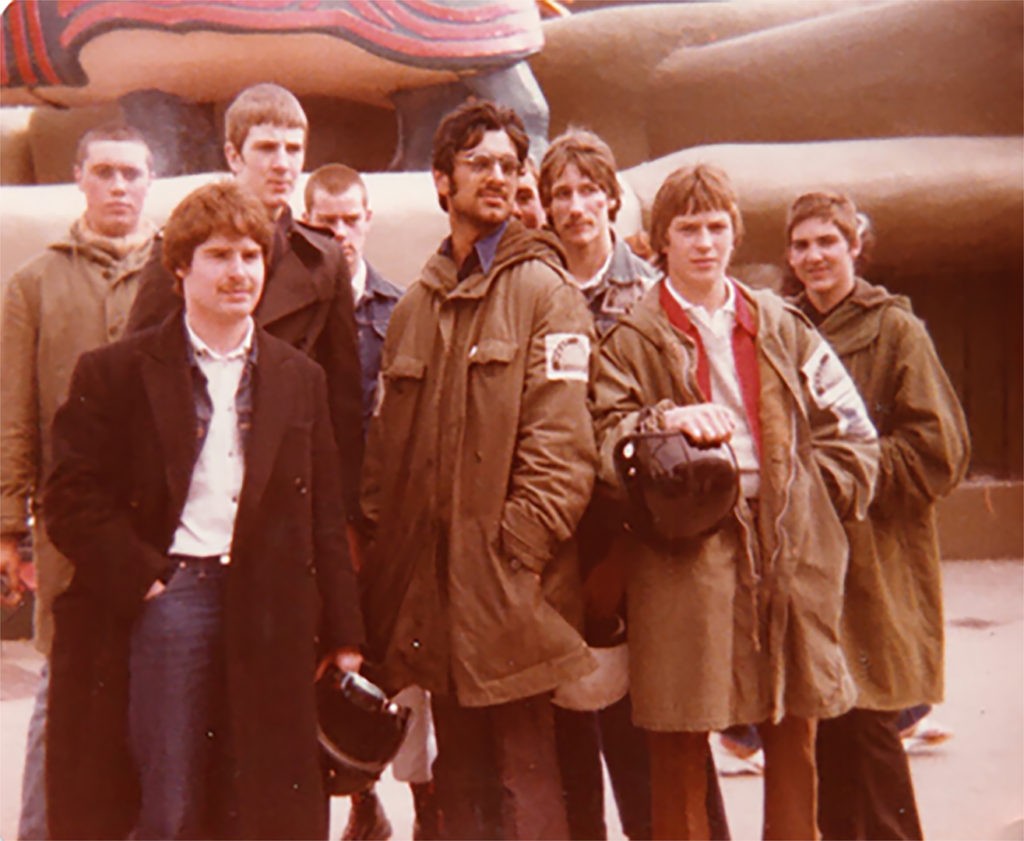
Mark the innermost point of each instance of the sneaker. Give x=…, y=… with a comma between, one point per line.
x=737, y=748
x=931, y=732
x=729, y=763
x=924, y=735
x=366, y=819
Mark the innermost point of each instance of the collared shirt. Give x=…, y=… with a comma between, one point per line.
x=622, y=281
x=359, y=281
x=208, y=518
x=599, y=275
x=716, y=330
x=482, y=255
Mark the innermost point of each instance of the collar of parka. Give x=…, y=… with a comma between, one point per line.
x=768, y=311
x=518, y=245
x=857, y=321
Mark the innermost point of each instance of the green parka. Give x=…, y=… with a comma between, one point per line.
x=480, y=461
x=73, y=297
x=743, y=626
x=892, y=616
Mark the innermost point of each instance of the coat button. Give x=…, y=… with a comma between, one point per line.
x=300, y=485
x=224, y=559
x=516, y=564
x=416, y=644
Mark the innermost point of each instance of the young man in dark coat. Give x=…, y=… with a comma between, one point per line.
x=307, y=301
x=195, y=493
x=337, y=200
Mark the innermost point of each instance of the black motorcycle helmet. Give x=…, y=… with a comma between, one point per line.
x=360, y=731
x=677, y=491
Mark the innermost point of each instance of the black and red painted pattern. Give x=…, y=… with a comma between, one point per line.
x=42, y=38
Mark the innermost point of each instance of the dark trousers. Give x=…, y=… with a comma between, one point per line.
x=496, y=772
x=582, y=738
x=864, y=786
x=175, y=718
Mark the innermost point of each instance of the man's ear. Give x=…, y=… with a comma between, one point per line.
x=78, y=175
x=856, y=247
x=369, y=215
x=233, y=157
x=442, y=183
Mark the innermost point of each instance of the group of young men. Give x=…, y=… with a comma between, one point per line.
x=211, y=533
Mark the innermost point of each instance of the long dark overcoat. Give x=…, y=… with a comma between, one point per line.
x=125, y=444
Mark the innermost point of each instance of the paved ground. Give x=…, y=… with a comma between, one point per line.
x=970, y=788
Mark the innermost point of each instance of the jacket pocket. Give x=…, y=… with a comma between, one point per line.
x=405, y=368
x=492, y=351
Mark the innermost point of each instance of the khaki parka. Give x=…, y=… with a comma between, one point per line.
x=480, y=462
x=892, y=617
x=743, y=626
x=73, y=297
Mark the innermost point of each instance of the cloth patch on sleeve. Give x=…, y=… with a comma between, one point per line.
x=568, y=356
x=833, y=390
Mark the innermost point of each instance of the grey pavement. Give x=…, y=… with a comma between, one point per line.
x=971, y=787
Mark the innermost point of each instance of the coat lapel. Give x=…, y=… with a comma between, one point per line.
x=291, y=286
x=274, y=403
x=168, y=383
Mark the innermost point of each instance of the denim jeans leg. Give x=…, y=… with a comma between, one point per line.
x=176, y=671
x=32, y=822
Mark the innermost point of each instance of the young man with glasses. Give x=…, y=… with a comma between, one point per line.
x=480, y=462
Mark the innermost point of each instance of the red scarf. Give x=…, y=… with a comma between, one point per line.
x=744, y=351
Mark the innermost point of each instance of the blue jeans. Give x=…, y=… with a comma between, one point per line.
x=175, y=705
x=32, y=822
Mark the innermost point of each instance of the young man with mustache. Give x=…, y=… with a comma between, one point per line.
x=195, y=492
x=479, y=465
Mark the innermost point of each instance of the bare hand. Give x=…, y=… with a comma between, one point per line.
x=703, y=423
x=155, y=589
x=344, y=659
x=10, y=566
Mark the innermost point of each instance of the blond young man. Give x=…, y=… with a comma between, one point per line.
x=742, y=625
x=73, y=297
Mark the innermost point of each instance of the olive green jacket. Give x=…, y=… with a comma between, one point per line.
x=743, y=626
x=892, y=618
x=73, y=297
x=480, y=462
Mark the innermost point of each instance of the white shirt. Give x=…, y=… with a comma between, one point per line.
x=359, y=281
x=601, y=272
x=715, y=329
x=208, y=519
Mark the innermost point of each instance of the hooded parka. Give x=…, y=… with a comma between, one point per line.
x=742, y=626
x=73, y=297
x=892, y=617
x=480, y=462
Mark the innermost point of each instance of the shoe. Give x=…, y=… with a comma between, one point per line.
x=931, y=732
x=924, y=735
x=366, y=819
x=742, y=763
x=736, y=747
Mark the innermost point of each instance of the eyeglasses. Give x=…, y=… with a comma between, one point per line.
x=483, y=164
